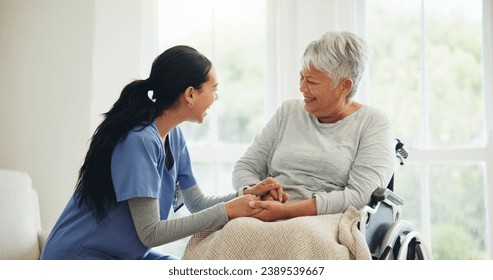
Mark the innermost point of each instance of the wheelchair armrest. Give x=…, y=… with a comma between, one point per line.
x=380, y=194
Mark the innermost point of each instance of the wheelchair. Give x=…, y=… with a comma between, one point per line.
x=388, y=236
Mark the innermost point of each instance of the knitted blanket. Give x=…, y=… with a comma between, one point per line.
x=304, y=238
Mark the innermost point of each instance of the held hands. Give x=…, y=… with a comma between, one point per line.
x=270, y=210
x=252, y=206
x=264, y=201
x=240, y=206
x=268, y=189
x=275, y=210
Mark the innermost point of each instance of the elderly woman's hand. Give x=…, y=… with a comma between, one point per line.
x=274, y=210
x=274, y=197
x=268, y=189
x=271, y=210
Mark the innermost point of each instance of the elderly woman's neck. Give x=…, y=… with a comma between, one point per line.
x=349, y=107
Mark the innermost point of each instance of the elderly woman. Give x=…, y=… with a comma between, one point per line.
x=328, y=151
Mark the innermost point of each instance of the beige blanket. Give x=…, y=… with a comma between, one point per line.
x=304, y=238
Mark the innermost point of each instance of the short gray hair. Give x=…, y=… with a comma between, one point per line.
x=339, y=55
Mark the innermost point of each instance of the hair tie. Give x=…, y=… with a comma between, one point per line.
x=148, y=84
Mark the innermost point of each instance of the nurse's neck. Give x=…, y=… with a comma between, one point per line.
x=165, y=123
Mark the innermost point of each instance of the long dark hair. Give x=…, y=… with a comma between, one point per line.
x=172, y=72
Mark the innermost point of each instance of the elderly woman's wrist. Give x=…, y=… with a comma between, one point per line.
x=290, y=211
x=306, y=207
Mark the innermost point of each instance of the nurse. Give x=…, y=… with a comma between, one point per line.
x=138, y=167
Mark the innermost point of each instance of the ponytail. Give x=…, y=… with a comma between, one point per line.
x=95, y=186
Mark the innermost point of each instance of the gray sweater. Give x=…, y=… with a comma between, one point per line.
x=340, y=164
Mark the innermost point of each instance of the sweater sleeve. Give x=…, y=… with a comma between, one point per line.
x=372, y=168
x=196, y=201
x=153, y=231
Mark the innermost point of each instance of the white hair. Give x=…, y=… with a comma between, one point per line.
x=339, y=55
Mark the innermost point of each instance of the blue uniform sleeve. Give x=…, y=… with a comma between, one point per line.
x=185, y=173
x=134, y=166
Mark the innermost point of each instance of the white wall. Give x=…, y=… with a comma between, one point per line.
x=45, y=93
x=62, y=64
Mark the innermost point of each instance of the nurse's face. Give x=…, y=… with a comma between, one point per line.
x=204, y=97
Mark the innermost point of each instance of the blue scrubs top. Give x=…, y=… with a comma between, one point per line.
x=138, y=170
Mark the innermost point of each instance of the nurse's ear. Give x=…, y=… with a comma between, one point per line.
x=189, y=95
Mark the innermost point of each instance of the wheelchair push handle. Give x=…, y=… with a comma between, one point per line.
x=400, y=152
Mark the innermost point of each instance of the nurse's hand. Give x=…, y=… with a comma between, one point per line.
x=268, y=189
x=239, y=207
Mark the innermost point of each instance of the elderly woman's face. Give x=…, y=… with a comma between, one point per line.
x=322, y=99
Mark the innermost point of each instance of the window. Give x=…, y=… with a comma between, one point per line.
x=427, y=74
x=232, y=34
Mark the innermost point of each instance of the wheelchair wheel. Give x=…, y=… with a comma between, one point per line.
x=413, y=247
x=393, y=240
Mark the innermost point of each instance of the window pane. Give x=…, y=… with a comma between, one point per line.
x=458, y=211
x=452, y=113
x=214, y=178
x=454, y=85
x=407, y=184
x=240, y=39
x=395, y=67
x=232, y=34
